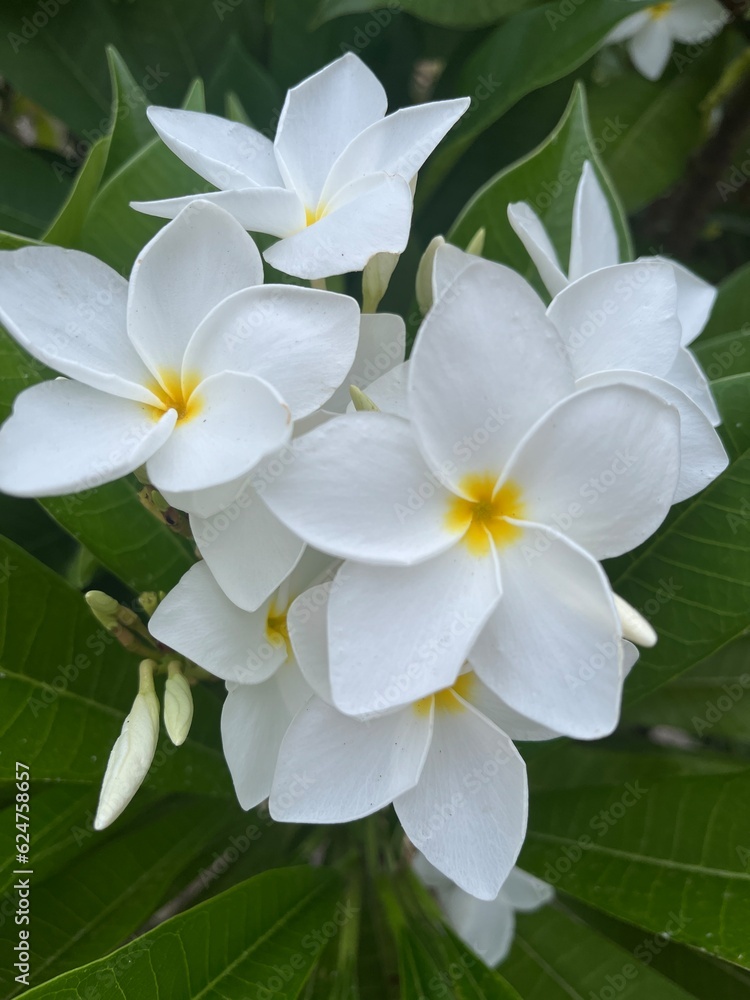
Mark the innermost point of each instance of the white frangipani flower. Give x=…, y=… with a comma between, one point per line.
x=251, y=652
x=486, y=926
x=620, y=326
x=132, y=753
x=651, y=33
x=335, y=185
x=504, y=480
x=187, y=368
x=232, y=526
x=446, y=762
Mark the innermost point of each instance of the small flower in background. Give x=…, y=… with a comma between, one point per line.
x=187, y=368
x=650, y=34
x=486, y=925
x=335, y=185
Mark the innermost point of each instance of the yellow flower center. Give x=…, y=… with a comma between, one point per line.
x=659, y=10
x=482, y=512
x=446, y=700
x=177, y=393
x=277, y=630
x=313, y=215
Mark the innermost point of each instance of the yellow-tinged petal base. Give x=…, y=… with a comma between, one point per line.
x=482, y=513
x=176, y=392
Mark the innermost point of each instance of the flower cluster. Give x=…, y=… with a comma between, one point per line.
x=394, y=592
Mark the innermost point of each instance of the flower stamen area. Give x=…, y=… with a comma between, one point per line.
x=660, y=10
x=313, y=215
x=446, y=700
x=482, y=512
x=277, y=630
x=177, y=393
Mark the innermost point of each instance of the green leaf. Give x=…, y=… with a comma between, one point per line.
x=662, y=123
x=528, y=51
x=667, y=856
x=692, y=578
x=108, y=520
x=555, y=956
x=115, y=232
x=239, y=73
x=263, y=936
x=94, y=904
x=131, y=129
x=448, y=13
x=547, y=179
x=66, y=229
x=725, y=354
x=67, y=686
x=732, y=307
x=12, y=241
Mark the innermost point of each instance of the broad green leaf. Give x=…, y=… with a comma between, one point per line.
x=109, y=520
x=547, y=179
x=724, y=354
x=555, y=956
x=262, y=937
x=662, y=123
x=65, y=231
x=469, y=14
x=131, y=129
x=26, y=523
x=66, y=686
x=692, y=578
x=13, y=241
x=259, y=95
x=731, y=310
x=115, y=232
x=92, y=905
x=32, y=187
x=528, y=51
x=702, y=975
x=669, y=856
x=733, y=399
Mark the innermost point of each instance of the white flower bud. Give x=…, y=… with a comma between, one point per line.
x=178, y=705
x=475, y=245
x=634, y=625
x=361, y=400
x=376, y=278
x=424, y=274
x=132, y=753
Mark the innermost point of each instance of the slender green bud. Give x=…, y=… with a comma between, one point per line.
x=361, y=400
x=178, y=704
x=476, y=243
x=376, y=278
x=424, y=274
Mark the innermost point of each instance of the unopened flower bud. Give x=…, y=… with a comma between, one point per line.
x=476, y=243
x=104, y=608
x=424, y=274
x=376, y=278
x=132, y=753
x=178, y=704
x=361, y=400
x=634, y=625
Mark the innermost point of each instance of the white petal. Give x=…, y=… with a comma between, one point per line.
x=486, y=365
x=381, y=346
x=602, y=466
x=228, y=154
x=628, y=27
x=204, y=503
x=307, y=622
x=551, y=649
x=448, y=262
x=300, y=340
x=367, y=217
x=398, y=634
x=696, y=21
x=688, y=376
x=357, y=487
x=486, y=925
x=620, y=317
x=320, y=118
x=248, y=550
x=333, y=769
x=594, y=241
x=253, y=722
x=63, y=436
x=390, y=392
x=651, y=47
x=702, y=455
x=270, y=210
x=68, y=310
x=695, y=300
x=526, y=892
x=199, y=621
x=191, y=264
x=515, y=725
x=398, y=144
x=530, y=230
x=239, y=420
x=468, y=812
